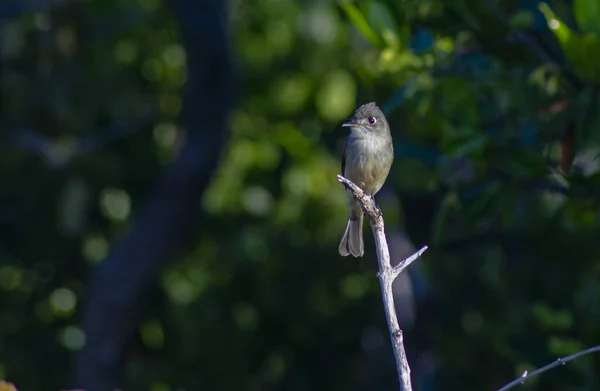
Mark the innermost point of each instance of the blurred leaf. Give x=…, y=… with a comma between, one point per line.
x=587, y=15
x=336, y=97
x=552, y=319
x=380, y=17
x=522, y=19
x=561, y=30
x=152, y=334
x=291, y=93
x=564, y=346
x=468, y=146
x=583, y=50
x=360, y=22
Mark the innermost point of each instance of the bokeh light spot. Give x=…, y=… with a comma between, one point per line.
x=170, y=104
x=160, y=386
x=152, y=334
x=95, y=248
x=125, y=52
x=43, y=311
x=274, y=367
x=255, y=246
x=10, y=277
x=174, y=56
x=63, y=301
x=246, y=316
x=337, y=96
x=72, y=338
x=181, y=291
x=184, y=286
x=257, y=200
x=291, y=93
x=115, y=204
x=320, y=24
x=165, y=135
x=279, y=36
x=153, y=70
x=43, y=21
x=354, y=286
x=267, y=155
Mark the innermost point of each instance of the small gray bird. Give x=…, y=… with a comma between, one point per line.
x=366, y=160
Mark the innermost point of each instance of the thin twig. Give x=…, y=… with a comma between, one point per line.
x=399, y=268
x=560, y=361
x=387, y=274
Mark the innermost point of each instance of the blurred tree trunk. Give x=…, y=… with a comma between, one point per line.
x=166, y=223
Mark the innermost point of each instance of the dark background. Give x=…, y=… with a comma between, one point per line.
x=169, y=214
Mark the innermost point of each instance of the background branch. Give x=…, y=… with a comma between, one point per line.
x=559, y=361
x=387, y=274
x=167, y=221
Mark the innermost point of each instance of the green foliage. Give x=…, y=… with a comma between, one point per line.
x=485, y=102
x=581, y=49
x=479, y=111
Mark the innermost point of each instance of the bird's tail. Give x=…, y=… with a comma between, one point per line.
x=352, y=240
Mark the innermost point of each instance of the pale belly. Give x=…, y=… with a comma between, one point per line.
x=368, y=163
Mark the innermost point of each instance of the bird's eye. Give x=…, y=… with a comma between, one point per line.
x=372, y=120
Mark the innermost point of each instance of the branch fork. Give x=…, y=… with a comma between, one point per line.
x=386, y=275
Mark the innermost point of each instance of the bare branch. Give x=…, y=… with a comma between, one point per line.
x=559, y=361
x=399, y=268
x=387, y=274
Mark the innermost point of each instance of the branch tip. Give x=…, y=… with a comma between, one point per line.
x=396, y=270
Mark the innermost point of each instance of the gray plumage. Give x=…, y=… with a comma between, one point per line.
x=366, y=160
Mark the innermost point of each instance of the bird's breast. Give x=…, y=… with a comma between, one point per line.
x=368, y=161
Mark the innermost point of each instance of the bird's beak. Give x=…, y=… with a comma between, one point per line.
x=350, y=124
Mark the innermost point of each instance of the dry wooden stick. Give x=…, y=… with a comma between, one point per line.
x=387, y=274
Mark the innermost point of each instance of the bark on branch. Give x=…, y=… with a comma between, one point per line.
x=387, y=274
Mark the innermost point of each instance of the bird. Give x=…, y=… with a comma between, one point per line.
x=366, y=160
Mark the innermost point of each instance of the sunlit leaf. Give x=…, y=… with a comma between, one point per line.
x=557, y=26
x=583, y=50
